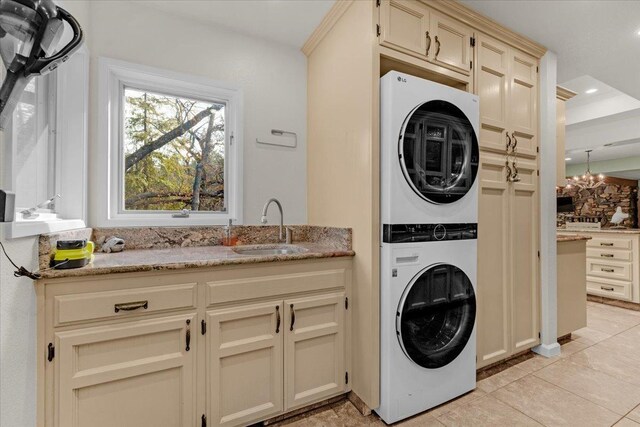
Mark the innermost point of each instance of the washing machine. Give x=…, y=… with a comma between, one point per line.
x=429, y=152
x=428, y=316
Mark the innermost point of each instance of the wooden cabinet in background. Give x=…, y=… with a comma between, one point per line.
x=562, y=96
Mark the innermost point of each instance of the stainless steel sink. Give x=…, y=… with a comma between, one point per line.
x=266, y=250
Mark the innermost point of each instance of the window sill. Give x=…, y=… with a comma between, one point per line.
x=35, y=227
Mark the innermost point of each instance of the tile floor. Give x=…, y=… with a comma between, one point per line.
x=594, y=382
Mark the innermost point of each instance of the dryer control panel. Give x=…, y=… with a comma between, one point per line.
x=409, y=233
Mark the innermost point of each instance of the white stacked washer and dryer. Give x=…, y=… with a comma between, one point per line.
x=429, y=203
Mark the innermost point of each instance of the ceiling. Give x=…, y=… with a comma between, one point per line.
x=289, y=22
x=597, y=38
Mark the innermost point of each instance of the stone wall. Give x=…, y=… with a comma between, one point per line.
x=601, y=203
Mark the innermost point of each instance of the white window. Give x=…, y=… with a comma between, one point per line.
x=173, y=147
x=45, y=151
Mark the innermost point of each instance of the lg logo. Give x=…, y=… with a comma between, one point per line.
x=402, y=79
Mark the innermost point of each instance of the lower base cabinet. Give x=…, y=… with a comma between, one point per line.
x=129, y=375
x=222, y=347
x=273, y=357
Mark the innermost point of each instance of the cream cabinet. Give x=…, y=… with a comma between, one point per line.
x=562, y=96
x=508, y=315
x=141, y=373
x=229, y=346
x=414, y=28
x=507, y=83
x=613, y=264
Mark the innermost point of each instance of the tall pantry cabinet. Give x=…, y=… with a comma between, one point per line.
x=508, y=259
x=444, y=41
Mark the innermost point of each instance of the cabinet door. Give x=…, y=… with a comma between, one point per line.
x=404, y=25
x=494, y=285
x=314, y=348
x=493, y=88
x=524, y=244
x=244, y=362
x=523, y=101
x=451, y=43
x=137, y=374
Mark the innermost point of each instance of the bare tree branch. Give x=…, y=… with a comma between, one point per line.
x=206, y=149
x=176, y=132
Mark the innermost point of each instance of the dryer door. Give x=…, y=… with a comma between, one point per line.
x=436, y=316
x=438, y=152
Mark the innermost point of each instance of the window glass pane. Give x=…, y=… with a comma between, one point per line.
x=174, y=153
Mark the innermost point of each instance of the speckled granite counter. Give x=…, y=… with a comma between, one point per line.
x=601, y=230
x=175, y=248
x=571, y=237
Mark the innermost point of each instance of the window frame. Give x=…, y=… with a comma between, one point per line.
x=67, y=120
x=114, y=76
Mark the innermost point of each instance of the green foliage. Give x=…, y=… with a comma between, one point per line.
x=164, y=179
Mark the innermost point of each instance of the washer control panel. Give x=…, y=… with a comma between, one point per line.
x=408, y=233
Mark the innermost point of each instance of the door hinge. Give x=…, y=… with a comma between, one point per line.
x=472, y=40
x=378, y=30
x=204, y=421
x=346, y=303
x=203, y=327
x=537, y=70
x=377, y=3
x=539, y=336
x=538, y=254
x=346, y=377
x=471, y=65
x=51, y=352
x=538, y=172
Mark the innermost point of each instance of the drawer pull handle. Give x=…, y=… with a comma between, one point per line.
x=130, y=306
x=606, y=244
x=277, y=319
x=437, y=48
x=607, y=255
x=607, y=270
x=606, y=288
x=188, y=347
x=293, y=318
x=428, y=43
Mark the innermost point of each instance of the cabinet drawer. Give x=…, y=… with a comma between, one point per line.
x=604, y=254
x=609, y=269
x=123, y=303
x=609, y=289
x=610, y=242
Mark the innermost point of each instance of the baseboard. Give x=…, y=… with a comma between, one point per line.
x=547, y=350
x=359, y=404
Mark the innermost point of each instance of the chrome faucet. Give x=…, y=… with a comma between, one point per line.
x=263, y=220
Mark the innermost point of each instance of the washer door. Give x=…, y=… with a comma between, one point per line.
x=436, y=316
x=438, y=152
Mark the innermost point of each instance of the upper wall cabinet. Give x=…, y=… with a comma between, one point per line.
x=507, y=82
x=412, y=27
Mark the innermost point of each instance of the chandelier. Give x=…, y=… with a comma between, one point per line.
x=588, y=180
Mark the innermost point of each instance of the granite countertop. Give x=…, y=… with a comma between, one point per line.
x=601, y=230
x=157, y=249
x=571, y=237
x=137, y=260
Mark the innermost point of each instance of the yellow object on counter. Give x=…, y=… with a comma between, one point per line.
x=72, y=254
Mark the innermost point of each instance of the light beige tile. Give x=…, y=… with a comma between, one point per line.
x=421, y=420
x=589, y=336
x=570, y=348
x=610, y=321
x=321, y=419
x=349, y=416
x=486, y=411
x=635, y=414
x=552, y=405
x=501, y=379
x=617, y=364
x=626, y=422
x=462, y=400
x=631, y=333
x=536, y=362
x=623, y=344
x=598, y=387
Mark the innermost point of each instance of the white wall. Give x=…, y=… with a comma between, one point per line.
x=272, y=76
